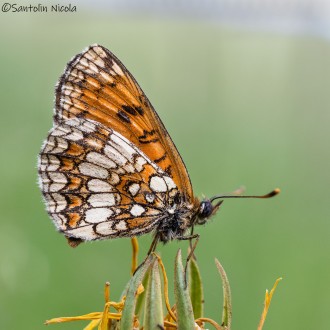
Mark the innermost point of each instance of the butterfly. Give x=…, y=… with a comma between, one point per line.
x=108, y=167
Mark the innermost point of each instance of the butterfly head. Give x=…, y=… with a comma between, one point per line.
x=206, y=210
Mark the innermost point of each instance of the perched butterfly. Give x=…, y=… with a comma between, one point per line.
x=109, y=168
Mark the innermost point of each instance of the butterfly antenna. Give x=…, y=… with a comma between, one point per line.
x=269, y=195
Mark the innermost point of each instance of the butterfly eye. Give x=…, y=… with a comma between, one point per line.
x=206, y=210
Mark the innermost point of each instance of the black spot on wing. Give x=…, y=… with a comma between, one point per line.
x=129, y=109
x=168, y=170
x=139, y=110
x=148, y=134
x=148, y=141
x=158, y=160
x=123, y=117
x=133, y=110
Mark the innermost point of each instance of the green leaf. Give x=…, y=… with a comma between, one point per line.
x=196, y=289
x=124, y=292
x=227, y=309
x=141, y=298
x=129, y=307
x=184, y=308
x=153, y=312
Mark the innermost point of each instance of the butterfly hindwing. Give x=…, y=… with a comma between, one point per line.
x=97, y=184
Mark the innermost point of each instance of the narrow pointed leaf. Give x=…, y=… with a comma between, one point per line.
x=141, y=298
x=129, y=307
x=196, y=289
x=227, y=309
x=185, y=315
x=268, y=299
x=153, y=312
x=124, y=292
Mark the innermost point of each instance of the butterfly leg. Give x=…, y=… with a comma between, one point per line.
x=153, y=245
x=191, y=252
x=151, y=250
x=190, y=241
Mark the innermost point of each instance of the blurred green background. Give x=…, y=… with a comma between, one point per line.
x=244, y=107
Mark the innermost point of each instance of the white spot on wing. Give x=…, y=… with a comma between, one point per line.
x=93, y=170
x=98, y=50
x=123, y=146
x=59, y=221
x=97, y=200
x=49, y=163
x=106, y=77
x=137, y=210
x=170, y=183
x=60, y=131
x=96, y=215
x=105, y=229
x=55, y=145
x=90, y=55
x=73, y=122
x=75, y=136
x=54, y=163
x=117, y=69
x=114, y=179
x=59, y=181
x=129, y=168
x=93, y=67
x=55, y=202
x=134, y=189
x=158, y=184
x=87, y=127
x=139, y=162
x=121, y=225
x=68, y=132
x=99, y=159
x=114, y=155
x=96, y=185
x=99, y=62
x=85, y=233
x=83, y=61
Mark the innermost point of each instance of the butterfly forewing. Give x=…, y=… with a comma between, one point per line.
x=108, y=167
x=97, y=86
x=97, y=184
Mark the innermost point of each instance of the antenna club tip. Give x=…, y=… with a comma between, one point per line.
x=277, y=191
x=273, y=193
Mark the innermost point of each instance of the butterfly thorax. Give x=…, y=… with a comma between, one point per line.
x=179, y=218
x=176, y=220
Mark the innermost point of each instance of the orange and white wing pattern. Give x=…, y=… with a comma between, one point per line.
x=97, y=86
x=97, y=184
x=108, y=167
